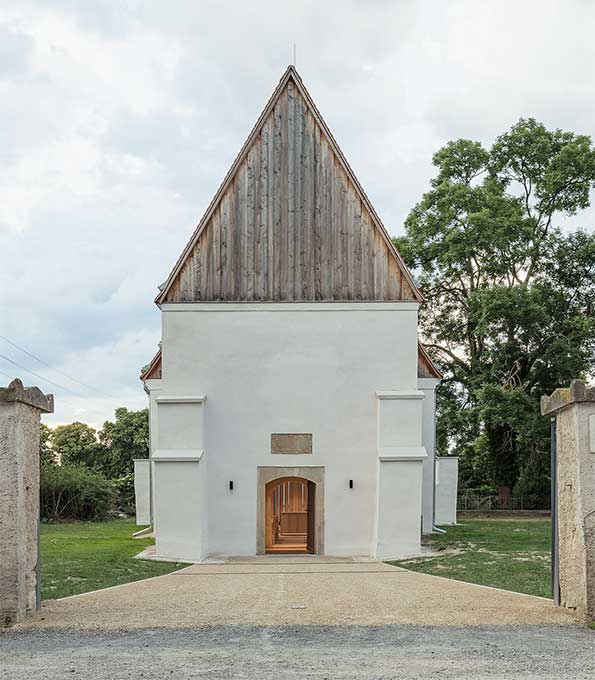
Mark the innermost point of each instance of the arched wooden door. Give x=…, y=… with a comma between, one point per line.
x=289, y=523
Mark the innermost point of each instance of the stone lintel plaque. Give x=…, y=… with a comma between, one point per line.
x=291, y=443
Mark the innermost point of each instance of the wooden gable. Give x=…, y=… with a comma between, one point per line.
x=152, y=371
x=290, y=221
x=426, y=368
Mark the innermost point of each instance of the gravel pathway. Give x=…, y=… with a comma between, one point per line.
x=290, y=618
x=370, y=652
x=295, y=592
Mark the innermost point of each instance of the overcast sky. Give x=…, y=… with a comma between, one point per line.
x=120, y=119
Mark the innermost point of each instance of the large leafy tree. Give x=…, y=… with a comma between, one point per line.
x=510, y=297
x=110, y=451
x=77, y=444
x=125, y=439
x=46, y=452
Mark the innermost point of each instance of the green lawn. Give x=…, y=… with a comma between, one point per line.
x=80, y=556
x=508, y=553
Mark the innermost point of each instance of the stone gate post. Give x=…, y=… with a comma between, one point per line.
x=574, y=409
x=20, y=410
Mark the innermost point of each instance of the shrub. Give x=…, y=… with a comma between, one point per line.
x=124, y=488
x=73, y=492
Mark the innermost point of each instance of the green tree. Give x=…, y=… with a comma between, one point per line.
x=46, y=453
x=124, y=440
x=77, y=444
x=510, y=297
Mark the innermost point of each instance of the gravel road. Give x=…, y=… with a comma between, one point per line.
x=370, y=652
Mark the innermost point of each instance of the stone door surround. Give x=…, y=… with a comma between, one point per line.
x=267, y=474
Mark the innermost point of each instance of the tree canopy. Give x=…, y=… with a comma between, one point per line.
x=76, y=444
x=125, y=439
x=510, y=295
x=110, y=450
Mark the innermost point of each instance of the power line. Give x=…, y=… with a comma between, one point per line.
x=41, y=361
x=51, y=382
x=10, y=377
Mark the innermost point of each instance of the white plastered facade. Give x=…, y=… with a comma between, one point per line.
x=235, y=373
x=428, y=387
x=142, y=491
x=447, y=476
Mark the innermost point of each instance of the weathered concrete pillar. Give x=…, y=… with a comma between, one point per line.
x=574, y=409
x=20, y=409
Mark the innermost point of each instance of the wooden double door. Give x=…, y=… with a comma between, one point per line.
x=290, y=523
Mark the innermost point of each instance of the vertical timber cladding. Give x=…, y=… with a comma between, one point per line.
x=289, y=223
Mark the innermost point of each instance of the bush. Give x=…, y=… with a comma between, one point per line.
x=124, y=487
x=73, y=492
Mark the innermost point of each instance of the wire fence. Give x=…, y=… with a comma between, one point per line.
x=474, y=502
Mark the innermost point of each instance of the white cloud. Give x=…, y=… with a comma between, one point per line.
x=119, y=120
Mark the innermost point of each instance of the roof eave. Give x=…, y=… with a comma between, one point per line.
x=153, y=363
x=424, y=352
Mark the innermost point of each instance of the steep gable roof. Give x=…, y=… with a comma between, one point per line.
x=152, y=371
x=290, y=221
x=426, y=368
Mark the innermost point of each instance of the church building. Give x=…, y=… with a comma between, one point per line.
x=291, y=402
